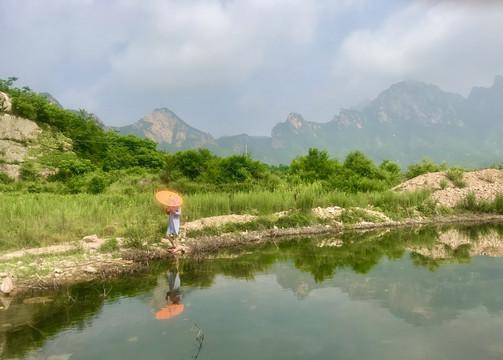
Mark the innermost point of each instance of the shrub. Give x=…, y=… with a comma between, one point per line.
x=5, y=179
x=29, y=171
x=97, y=184
x=424, y=168
x=456, y=176
x=293, y=220
x=110, y=245
x=498, y=203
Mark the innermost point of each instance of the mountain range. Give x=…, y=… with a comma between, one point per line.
x=406, y=123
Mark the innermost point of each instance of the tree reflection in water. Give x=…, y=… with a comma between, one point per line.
x=27, y=327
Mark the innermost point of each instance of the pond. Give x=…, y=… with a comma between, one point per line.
x=414, y=293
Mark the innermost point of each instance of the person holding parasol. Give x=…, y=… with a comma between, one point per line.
x=173, y=208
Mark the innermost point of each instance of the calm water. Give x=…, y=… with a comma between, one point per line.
x=410, y=294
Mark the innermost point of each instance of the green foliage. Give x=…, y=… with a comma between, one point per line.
x=424, y=168
x=456, y=176
x=239, y=168
x=110, y=245
x=5, y=85
x=97, y=184
x=361, y=165
x=356, y=215
x=470, y=203
x=73, y=167
x=314, y=166
x=29, y=171
x=191, y=164
x=127, y=151
x=498, y=203
x=5, y=179
x=293, y=220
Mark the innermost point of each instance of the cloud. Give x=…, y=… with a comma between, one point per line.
x=451, y=44
x=180, y=45
x=243, y=65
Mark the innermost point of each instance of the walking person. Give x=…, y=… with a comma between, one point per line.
x=174, y=213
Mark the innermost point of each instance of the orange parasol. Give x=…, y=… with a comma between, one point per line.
x=169, y=311
x=168, y=198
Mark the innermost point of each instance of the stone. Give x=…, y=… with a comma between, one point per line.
x=90, y=238
x=5, y=102
x=7, y=285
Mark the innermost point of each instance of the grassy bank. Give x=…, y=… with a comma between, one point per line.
x=32, y=220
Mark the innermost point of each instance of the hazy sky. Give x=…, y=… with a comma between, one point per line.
x=240, y=66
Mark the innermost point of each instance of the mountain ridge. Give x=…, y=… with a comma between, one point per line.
x=405, y=123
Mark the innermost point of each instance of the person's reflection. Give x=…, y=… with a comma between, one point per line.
x=173, y=296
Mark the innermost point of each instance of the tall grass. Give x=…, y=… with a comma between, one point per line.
x=471, y=203
x=41, y=219
x=31, y=220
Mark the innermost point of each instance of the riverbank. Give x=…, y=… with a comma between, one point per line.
x=94, y=257
x=88, y=259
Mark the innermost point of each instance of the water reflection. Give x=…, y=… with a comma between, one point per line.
x=449, y=278
x=173, y=296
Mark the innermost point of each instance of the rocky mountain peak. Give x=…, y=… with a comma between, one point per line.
x=296, y=121
x=165, y=128
x=416, y=102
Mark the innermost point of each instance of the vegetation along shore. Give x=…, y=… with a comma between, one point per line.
x=77, y=200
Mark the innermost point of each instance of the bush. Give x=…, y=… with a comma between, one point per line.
x=456, y=176
x=293, y=220
x=498, y=203
x=29, y=171
x=97, y=184
x=110, y=245
x=73, y=167
x=424, y=168
x=5, y=179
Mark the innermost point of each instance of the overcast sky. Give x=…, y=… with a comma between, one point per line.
x=241, y=66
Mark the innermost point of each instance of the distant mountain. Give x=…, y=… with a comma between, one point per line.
x=405, y=123
x=169, y=131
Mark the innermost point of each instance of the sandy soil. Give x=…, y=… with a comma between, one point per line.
x=90, y=263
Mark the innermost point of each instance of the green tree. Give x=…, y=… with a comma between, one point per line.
x=190, y=163
x=239, y=168
x=361, y=165
x=316, y=165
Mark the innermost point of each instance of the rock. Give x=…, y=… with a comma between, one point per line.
x=5, y=103
x=7, y=285
x=90, y=238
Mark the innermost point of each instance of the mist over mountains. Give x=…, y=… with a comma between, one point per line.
x=407, y=122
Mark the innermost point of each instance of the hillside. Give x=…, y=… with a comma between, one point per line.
x=405, y=123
